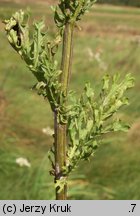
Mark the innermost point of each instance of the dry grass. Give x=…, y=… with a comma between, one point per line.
x=134, y=132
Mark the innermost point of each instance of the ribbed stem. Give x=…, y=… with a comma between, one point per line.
x=61, y=128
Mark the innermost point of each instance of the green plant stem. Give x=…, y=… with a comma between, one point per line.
x=61, y=128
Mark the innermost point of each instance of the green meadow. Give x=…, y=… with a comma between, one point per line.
x=106, y=41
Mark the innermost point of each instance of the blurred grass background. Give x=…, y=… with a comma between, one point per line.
x=108, y=42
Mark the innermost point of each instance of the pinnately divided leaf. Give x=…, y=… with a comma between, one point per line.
x=37, y=52
x=93, y=119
